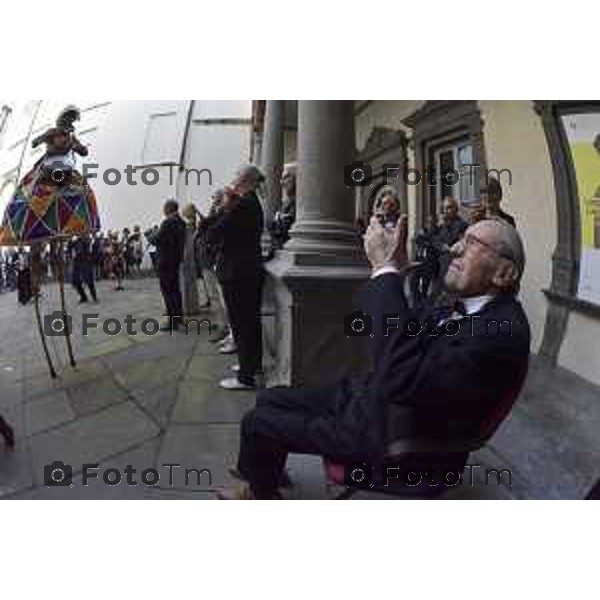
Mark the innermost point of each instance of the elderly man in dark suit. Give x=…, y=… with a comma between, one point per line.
x=434, y=384
x=237, y=230
x=170, y=241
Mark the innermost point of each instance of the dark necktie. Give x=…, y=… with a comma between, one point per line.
x=446, y=310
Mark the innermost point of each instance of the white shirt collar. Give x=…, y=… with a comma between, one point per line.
x=474, y=304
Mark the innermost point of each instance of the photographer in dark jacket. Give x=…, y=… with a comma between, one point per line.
x=169, y=241
x=237, y=230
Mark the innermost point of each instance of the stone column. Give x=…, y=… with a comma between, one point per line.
x=257, y=148
x=272, y=156
x=313, y=280
x=325, y=208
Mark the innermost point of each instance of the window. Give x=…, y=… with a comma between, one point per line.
x=456, y=158
x=447, y=135
x=162, y=139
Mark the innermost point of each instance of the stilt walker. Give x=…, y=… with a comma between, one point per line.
x=52, y=203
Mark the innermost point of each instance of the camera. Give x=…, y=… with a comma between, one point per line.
x=358, y=324
x=358, y=174
x=58, y=474
x=358, y=475
x=57, y=324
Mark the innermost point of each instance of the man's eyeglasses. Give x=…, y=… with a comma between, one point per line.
x=470, y=240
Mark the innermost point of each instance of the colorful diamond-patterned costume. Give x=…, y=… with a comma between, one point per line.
x=39, y=212
x=53, y=202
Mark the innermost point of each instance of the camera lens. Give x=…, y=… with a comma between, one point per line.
x=358, y=475
x=57, y=475
x=358, y=325
x=61, y=325
x=358, y=175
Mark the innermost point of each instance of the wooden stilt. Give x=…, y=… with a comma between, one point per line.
x=35, y=288
x=63, y=308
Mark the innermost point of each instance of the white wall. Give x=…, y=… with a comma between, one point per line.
x=514, y=139
x=136, y=133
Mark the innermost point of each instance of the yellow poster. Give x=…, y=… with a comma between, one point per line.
x=583, y=134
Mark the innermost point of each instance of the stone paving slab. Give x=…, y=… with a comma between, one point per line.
x=201, y=447
x=90, y=397
x=140, y=458
x=15, y=468
x=47, y=413
x=151, y=374
x=203, y=401
x=158, y=402
x=91, y=438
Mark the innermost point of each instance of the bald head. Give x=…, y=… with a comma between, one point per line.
x=489, y=259
x=510, y=244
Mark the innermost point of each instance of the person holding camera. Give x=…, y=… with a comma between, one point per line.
x=237, y=231
x=388, y=211
x=438, y=387
x=285, y=218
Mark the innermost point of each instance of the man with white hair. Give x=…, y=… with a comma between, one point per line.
x=427, y=380
x=237, y=230
x=284, y=218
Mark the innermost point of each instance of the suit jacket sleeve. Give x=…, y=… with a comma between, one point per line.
x=382, y=299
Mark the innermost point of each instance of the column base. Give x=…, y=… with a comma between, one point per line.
x=307, y=296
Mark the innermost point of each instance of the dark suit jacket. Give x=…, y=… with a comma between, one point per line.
x=237, y=232
x=169, y=241
x=508, y=218
x=425, y=386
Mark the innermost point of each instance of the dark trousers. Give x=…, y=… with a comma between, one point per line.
x=243, y=301
x=594, y=493
x=84, y=274
x=171, y=292
x=298, y=420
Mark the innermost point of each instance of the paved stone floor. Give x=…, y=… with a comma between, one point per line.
x=148, y=401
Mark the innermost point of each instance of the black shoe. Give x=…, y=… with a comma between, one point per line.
x=83, y=300
x=7, y=432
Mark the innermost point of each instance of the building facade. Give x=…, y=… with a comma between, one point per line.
x=546, y=155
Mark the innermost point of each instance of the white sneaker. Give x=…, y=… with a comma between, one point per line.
x=228, y=348
x=235, y=368
x=228, y=339
x=233, y=383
